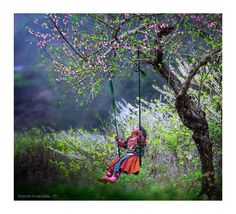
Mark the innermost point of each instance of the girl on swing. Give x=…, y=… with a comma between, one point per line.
x=128, y=163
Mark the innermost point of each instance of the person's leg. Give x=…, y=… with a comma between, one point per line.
x=113, y=175
x=110, y=171
x=117, y=166
x=116, y=169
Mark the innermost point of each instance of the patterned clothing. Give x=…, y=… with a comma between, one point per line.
x=119, y=162
x=129, y=163
x=131, y=143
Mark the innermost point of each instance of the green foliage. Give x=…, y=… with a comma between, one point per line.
x=66, y=164
x=102, y=43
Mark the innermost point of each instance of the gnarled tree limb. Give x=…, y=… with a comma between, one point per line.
x=195, y=69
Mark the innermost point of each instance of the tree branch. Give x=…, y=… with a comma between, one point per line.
x=68, y=43
x=122, y=36
x=146, y=60
x=170, y=36
x=195, y=69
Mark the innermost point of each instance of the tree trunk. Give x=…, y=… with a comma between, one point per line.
x=194, y=118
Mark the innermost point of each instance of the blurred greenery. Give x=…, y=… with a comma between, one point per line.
x=65, y=165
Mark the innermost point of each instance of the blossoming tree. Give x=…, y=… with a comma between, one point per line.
x=85, y=49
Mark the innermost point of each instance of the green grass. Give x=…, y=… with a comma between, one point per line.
x=100, y=191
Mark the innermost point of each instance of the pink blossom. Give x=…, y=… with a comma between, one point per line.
x=73, y=73
x=163, y=25
x=45, y=36
x=211, y=24
x=66, y=52
x=31, y=31
x=100, y=62
x=145, y=37
x=103, y=44
x=126, y=15
x=42, y=43
x=65, y=19
x=37, y=34
x=152, y=26
x=105, y=19
x=63, y=33
x=196, y=18
x=126, y=47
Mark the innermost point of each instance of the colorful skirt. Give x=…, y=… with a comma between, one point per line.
x=130, y=165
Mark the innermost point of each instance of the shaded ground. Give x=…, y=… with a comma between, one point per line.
x=119, y=191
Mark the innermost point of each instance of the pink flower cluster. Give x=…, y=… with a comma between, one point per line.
x=73, y=73
x=55, y=19
x=105, y=19
x=64, y=34
x=126, y=15
x=66, y=51
x=42, y=43
x=100, y=62
x=31, y=31
x=103, y=44
x=197, y=18
x=155, y=27
x=45, y=36
x=145, y=37
x=127, y=47
x=211, y=24
x=145, y=48
x=65, y=20
x=37, y=34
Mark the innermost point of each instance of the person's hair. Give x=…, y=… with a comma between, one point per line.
x=143, y=131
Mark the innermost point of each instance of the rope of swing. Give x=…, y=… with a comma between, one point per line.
x=139, y=107
x=139, y=110
x=114, y=110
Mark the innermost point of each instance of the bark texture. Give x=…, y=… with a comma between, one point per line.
x=193, y=118
x=190, y=113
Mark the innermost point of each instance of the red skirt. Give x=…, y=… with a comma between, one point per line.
x=129, y=165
